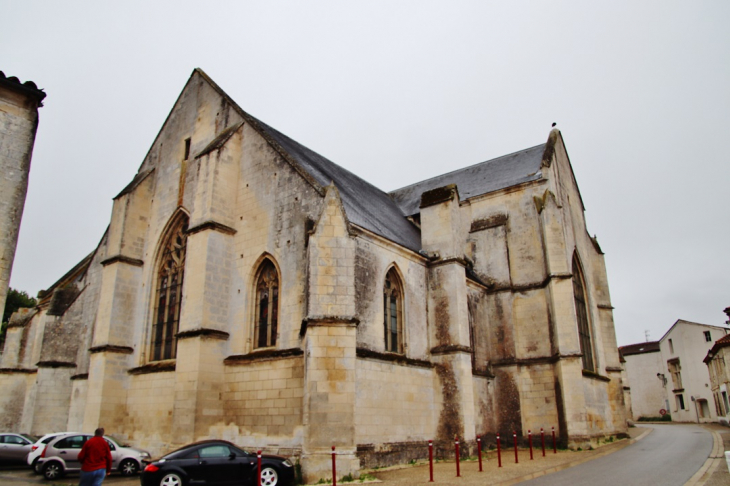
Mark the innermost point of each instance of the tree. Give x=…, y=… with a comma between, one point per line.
x=14, y=301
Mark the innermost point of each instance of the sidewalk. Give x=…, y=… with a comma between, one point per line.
x=509, y=473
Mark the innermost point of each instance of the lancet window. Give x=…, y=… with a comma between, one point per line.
x=168, y=294
x=581, y=311
x=393, y=312
x=267, y=305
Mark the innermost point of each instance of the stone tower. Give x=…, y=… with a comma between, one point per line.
x=19, y=105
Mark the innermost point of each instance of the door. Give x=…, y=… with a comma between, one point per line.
x=68, y=449
x=14, y=448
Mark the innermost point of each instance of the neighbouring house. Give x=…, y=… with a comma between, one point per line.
x=720, y=377
x=249, y=289
x=678, y=367
x=19, y=103
x=643, y=364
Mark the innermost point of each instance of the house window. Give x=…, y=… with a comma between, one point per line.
x=168, y=293
x=680, y=401
x=708, y=336
x=581, y=312
x=676, y=371
x=393, y=312
x=671, y=347
x=267, y=305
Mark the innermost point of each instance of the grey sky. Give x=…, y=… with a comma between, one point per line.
x=398, y=92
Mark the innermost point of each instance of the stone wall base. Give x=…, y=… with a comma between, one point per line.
x=318, y=465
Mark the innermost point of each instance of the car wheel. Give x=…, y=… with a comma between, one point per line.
x=269, y=476
x=129, y=467
x=36, y=466
x=52, y=470
x=171, y=479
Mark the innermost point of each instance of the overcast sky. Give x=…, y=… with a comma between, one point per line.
x=400, y=91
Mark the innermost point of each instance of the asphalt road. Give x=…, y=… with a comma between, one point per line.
x=669, y=456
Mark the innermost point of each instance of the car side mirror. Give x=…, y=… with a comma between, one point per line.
x=231, y=456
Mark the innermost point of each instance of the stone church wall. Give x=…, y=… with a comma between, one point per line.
x=263, y=402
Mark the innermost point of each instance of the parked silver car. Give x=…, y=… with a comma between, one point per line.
x=61, y=456
x=37, y=449
x=14, y=448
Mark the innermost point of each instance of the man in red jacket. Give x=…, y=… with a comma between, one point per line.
x=96, y=460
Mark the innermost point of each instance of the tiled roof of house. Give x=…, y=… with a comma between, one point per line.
x=639, y=348
x=28, y=88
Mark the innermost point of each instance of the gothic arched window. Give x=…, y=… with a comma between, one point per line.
x=393, y=312
x=581, y=313
x=267, y=305
x=169, y=293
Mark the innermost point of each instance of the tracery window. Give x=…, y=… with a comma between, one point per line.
x=581, y=311
x=168, y=294
x=267, y=305
x=393, y=312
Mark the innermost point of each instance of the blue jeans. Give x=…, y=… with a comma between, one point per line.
x=92, y=478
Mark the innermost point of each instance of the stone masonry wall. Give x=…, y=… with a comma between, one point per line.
x=263, y=403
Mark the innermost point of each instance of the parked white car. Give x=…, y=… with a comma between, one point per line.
x=37, y=449
x=61, y=454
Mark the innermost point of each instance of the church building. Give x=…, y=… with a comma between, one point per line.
x=249, y=289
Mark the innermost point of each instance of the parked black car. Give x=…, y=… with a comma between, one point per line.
x=216, y=462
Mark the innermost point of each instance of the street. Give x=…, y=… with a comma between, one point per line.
x=669, y=456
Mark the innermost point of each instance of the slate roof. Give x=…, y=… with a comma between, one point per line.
x=639, y=348
x=492, y=175
x=365, y=205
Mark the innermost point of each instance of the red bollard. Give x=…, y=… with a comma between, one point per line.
x=258, y=454
x=529, y=439
x=430, y=460
x=479, y=448
x=517, y=459
x=499, y=452
x=456, y=444
x=555, y=445
x=334, y=468
x=542, y=439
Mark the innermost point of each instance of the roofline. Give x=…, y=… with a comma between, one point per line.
x=690, y=322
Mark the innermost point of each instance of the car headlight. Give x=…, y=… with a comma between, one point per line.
x=288, y=463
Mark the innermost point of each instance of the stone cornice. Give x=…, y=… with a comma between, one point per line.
x=595, y=376
x=212, y=225
x=80, y=376
x=313, y=321
x=55, y=364
x=111, y=348
x=605, y=306
x=532, y=286
x=155, y=367
x=613, y=369
x=450, y=349
x=532, y=361
x=437, y=263
x=7, y=371
x=122, y=259
x=483, y=373
x=203, y=332
x=264, y=355
x=392, y=358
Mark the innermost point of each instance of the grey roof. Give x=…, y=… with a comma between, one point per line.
x=365, y=205
x=492, y=175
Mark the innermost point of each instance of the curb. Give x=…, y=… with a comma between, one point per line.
x=717, y=457
x=609, y=449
